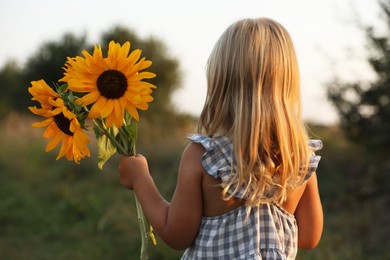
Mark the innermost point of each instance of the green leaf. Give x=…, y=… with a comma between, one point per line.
x=98, y=132
x=62, y=89
x=105, y=150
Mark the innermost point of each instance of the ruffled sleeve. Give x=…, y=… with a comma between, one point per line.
x=218, y=158
x=314, y=146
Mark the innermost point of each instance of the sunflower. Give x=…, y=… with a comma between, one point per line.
x=113, y=84
x=63, y=125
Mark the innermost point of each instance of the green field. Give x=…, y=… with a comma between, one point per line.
x=58, y=210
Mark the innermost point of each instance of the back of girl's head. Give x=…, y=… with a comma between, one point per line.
x=253, y=98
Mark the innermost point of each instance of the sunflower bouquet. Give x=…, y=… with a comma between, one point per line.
x=106, y=90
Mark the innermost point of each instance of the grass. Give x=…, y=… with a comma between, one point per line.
x=59, y=210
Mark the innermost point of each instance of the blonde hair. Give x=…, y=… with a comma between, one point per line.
x=253, y=98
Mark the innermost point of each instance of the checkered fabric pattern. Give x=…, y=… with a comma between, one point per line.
x=267, y=232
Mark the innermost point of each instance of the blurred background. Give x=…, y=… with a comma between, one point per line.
x=58, y=210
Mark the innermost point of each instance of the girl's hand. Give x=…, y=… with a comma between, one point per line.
x=132, y=169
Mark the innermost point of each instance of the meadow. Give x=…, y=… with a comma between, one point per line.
x=59, y=210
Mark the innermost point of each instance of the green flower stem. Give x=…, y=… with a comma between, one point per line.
x=141, y=220
x=124, y=135
x=144, y=234
x=128, y=152
x=124, y=150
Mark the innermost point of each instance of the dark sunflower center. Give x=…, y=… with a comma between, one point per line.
x=112, y=84
x=63, y=123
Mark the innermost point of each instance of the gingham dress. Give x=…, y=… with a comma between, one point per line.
x=268, y=232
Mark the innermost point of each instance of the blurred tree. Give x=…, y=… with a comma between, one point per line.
x=48, y=61
x=45, y=64
x=364, y=108
x=10, y=78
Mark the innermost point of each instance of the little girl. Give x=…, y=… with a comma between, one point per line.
x=246, y=187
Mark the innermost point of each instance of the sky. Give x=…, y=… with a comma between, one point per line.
x=327, y=38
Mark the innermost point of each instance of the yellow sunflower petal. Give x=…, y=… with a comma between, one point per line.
x=74, y=124
x=77, y=85
x=118, y=114
x=124, y=51
x=80, y=137
x=137, y=99
x=68, y=114
x=43, y=123
x=129, y=95
x=124, y=59
x=109, y=121
x=75, y=155
x=70, y=154
x=117, y=55
x=56, y=138
x=40, y=112
x=143, y=75
x=51, y=130
x=56, y=111
x=107, y=109
x=142, y=106
x=145, y=64
x=80, y=141
x=147, y=98
x=79, y=151
x=130, y=61
x=42, y=93
x=123, y=102
x=97, y=107
x=40, y=87
x=66, y=145
x=98, y=57
x=132, y=111
x=113, y=55
x=134, y=69
x=89, y=98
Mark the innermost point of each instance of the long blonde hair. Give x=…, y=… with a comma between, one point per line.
x=253, y=98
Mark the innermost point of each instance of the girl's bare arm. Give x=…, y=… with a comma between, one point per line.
x=309, y=216
x=177, y=223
